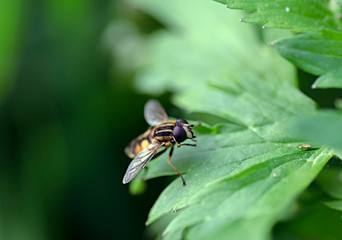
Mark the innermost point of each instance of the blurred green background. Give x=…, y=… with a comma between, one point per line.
x=67, y=112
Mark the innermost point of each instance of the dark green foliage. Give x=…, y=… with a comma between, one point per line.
x=319, y=52
x=317, y=55
x=69, y=107
x=247, y=169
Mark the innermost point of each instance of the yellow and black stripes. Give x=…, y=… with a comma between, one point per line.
x=138, y=144
x=164, y=132
x=163, y=135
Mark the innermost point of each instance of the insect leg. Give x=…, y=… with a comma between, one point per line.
x=187, y=144
x=158, y=154
x=170, y=155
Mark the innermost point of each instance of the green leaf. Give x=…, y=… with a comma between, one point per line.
x=311, y=220
x=330, y=180
x=323, y=127
x=239, y=183
x=247, y=170
x=299, y=16
x=337, y=205
x=207, y=52
x=317, y=55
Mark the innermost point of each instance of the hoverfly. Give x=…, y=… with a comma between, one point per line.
x=162, y=135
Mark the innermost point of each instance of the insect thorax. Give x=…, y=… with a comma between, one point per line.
x=164, y=132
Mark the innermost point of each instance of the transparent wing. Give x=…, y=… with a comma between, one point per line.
x=139, y=162
x=155, y=113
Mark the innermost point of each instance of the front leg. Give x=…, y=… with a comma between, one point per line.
x=186, y=144
x=158, y=154
x=169, y=162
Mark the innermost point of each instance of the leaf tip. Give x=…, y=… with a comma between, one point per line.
x=313, y=86
x=147, y=223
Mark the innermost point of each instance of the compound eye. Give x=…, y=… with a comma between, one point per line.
x=179, y=121
x=179, y=134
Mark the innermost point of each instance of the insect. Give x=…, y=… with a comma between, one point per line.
x=162, y=135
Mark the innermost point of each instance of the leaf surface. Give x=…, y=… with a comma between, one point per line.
x=337, y=205
x=323, y=127
x=319, y=51
x=298, y=16
x=246, y=170
x=317, y=55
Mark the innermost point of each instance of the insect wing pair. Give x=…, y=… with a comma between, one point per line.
x=154, y=115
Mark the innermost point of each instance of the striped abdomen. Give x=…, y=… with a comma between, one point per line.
x=138, y=144
x=162, y=133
